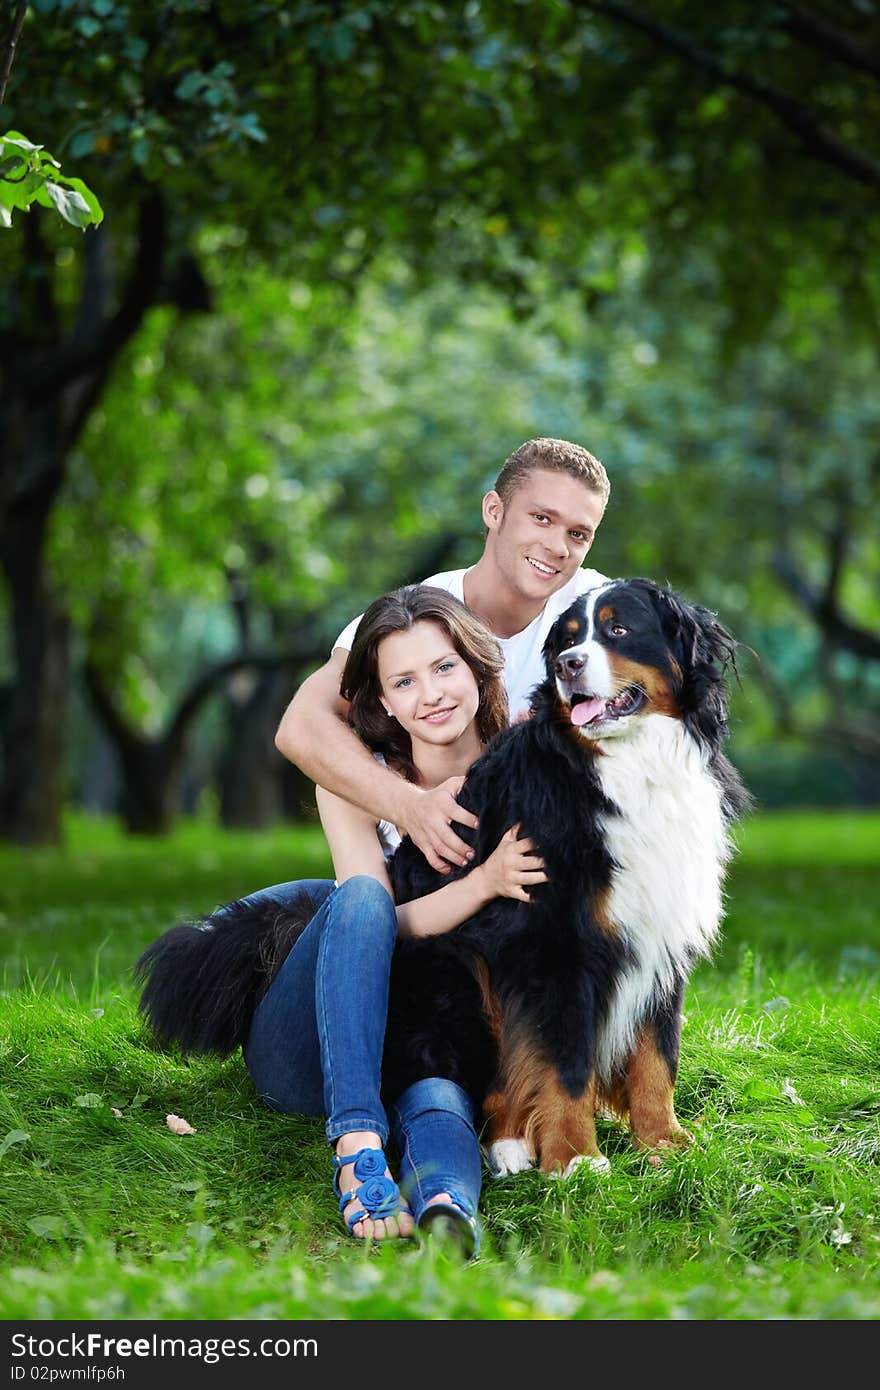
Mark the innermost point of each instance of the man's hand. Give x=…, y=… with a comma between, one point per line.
x=428, y=818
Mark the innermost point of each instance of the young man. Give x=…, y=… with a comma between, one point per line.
x=541, y=518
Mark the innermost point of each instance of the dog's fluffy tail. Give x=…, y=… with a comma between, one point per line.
x=202, y=980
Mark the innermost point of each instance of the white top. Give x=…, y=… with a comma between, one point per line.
x=389, y=838
x=523, y=662
x=389, y=835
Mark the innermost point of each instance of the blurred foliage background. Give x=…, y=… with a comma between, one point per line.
x=353, y=254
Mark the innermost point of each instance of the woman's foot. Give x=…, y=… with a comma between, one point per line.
x=450, y=1224
x=398, y=1224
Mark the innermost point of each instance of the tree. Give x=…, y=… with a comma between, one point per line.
x=472, y=137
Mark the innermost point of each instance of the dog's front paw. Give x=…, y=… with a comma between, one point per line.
x=509, y=1156
x=597, y=1163
x=657, y=1148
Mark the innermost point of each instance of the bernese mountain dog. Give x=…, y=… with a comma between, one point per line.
x=549, y=1011
x=553, y=1010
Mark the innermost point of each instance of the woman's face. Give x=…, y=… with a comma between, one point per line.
x=424, y=683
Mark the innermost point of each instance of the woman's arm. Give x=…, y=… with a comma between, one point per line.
x=351, y=835
x=511, y=869
x=354, y=845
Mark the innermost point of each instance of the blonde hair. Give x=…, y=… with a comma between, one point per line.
x=554, y=455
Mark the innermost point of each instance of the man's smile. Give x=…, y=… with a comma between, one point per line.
x=542, y=567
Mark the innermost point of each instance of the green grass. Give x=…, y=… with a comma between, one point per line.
x=771, y=1213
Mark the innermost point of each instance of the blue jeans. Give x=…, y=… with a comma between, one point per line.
x=316, y=1039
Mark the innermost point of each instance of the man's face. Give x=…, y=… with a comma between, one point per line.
x=543, y=534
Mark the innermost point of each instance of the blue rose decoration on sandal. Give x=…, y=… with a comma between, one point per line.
x=378, y=1196
x=370, y=1163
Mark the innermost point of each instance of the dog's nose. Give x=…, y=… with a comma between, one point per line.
x=570, y=664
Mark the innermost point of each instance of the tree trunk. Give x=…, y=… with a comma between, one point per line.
x=34, y=724
x=258, y=787
x=53, y=369
x=150, y=797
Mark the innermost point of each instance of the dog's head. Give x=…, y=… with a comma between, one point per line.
x=632, y=648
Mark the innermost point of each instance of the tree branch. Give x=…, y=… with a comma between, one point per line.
x=815, y=30
x=87, y=368
x=9, y=59
x=209, y=680
x=79, y=357
x=824, y=611
x=120, y=730
x=818, y=141
x=126, y=736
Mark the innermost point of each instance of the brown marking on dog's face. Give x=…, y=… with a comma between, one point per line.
x=606, y=613
x=573, y=625
x=649, y=1083
x=660, y=697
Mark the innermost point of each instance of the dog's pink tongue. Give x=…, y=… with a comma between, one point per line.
x=585, y=710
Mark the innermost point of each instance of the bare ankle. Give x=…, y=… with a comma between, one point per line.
x=357, y=1139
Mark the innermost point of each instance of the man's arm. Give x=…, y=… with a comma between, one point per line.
x=315, y=735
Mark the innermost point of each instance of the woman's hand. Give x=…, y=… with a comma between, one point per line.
x=512, y=868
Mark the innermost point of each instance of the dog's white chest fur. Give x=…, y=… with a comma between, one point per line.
x=670, y=847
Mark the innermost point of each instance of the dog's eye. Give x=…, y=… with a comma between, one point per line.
x=617, y=630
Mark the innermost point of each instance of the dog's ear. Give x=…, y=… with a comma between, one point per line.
x=703, y=650
x=550, y=650
x=562, y=633
x=696, y=634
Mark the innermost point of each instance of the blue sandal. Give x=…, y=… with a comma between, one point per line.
x=455, y=1226
x=378, y=1196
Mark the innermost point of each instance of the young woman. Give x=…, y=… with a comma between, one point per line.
x=424, y=681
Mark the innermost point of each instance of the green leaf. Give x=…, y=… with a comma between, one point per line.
x=200, y=1233
x=70, y=204
x=82, y=143
x=250, y=124
x=21, y=195
x=190, y=85
x=761, y=1090
x=15, y=137
x=48, y=1227
x=88, y=197
x=800, y=1115
x=89, y=1101
x=15, y=1136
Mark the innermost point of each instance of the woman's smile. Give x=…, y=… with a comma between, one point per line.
x=437, y=716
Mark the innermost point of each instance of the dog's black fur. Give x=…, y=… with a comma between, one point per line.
x=202, y=980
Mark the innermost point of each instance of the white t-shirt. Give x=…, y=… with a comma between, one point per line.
x=523, y=663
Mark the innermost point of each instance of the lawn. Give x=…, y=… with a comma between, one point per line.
x=104, y=1213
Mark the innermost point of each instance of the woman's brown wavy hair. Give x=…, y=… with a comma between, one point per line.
x=395, y=612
